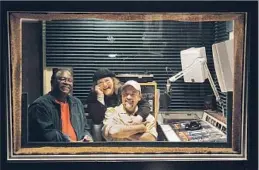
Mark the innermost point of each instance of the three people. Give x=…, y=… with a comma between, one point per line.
x=118, y=120
x=58, y=116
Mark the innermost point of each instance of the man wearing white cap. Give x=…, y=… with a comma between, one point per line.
x=117, y=126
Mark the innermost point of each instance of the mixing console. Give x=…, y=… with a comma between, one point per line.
x=207, y=132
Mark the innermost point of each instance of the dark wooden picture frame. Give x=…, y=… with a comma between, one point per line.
x=238, y=150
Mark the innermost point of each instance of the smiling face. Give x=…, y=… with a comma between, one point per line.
x=106, y=85
x=130, y=98
x=63, y=82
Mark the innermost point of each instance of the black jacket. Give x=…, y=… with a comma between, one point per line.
x=45, y=119
x=97, y=110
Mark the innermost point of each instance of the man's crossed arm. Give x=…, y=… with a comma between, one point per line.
x=132, y=132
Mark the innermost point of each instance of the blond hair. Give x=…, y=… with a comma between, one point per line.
x=116, y=85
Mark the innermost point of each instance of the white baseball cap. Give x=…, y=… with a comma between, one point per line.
x=132, y=83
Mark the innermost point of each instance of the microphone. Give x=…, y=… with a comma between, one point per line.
x=165, y=100
x=168, y=85
x=165, y=97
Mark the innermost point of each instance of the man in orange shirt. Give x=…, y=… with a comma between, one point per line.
x=58, y=116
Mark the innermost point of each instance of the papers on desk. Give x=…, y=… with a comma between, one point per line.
x=169, y=133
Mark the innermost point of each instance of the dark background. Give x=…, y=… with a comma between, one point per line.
x=202, y=6
x=141, y=48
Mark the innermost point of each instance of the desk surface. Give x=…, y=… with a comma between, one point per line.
x=173, y=128
x=169, y=133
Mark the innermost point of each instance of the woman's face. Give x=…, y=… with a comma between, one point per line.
x=106, y=85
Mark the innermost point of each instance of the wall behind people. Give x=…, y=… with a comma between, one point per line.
x=132, y=47
x=32, y=59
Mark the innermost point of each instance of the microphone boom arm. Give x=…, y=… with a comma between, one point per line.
x=208, y=75
x=187, y=70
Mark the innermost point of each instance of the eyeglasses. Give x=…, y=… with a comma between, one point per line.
x=64, y=79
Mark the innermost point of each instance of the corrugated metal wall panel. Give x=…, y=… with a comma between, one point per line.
x=141, y=47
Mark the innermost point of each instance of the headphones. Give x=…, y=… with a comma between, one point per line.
x=193, y=125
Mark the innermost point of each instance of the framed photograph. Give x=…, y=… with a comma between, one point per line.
x=197, y=97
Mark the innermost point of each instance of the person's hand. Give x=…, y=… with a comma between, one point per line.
x=87, y=139
x=98, y=90
x=135, y=120
x=73, y=140
x=134, y=137
x=149, y=125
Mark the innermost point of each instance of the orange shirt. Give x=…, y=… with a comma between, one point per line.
x=67, y=127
